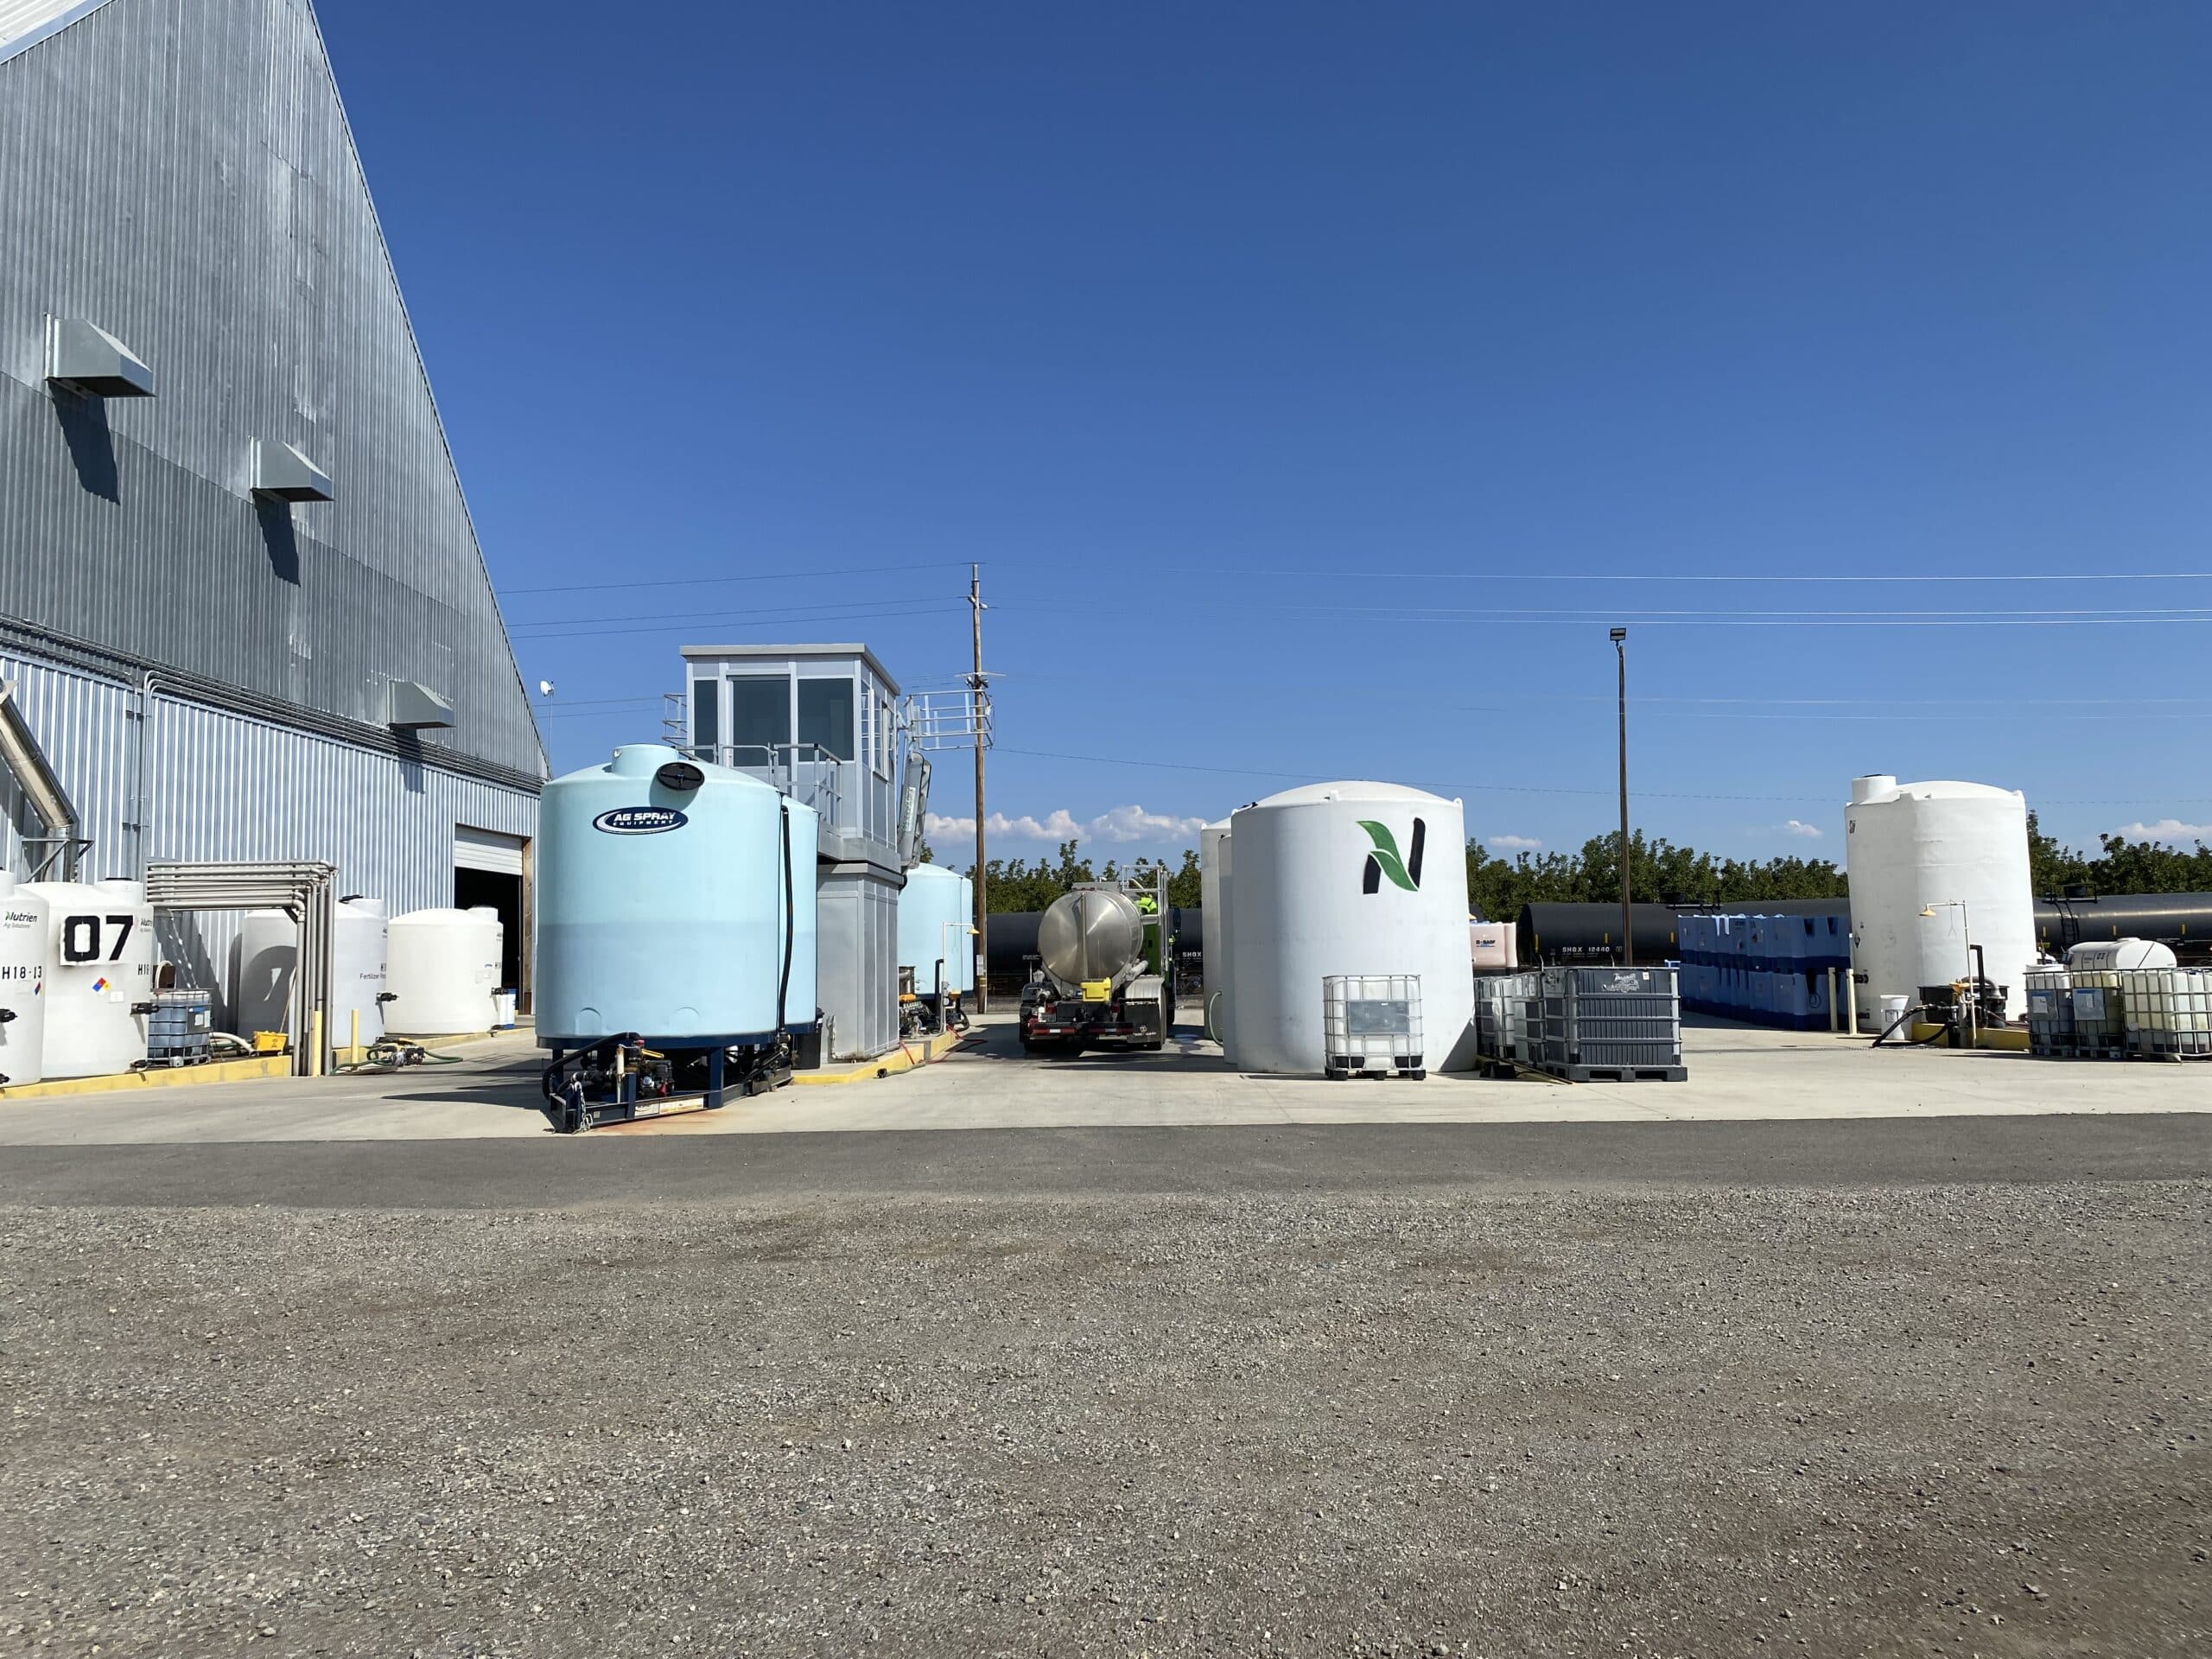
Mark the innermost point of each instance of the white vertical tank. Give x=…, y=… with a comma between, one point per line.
x=441, y=967
x=1215, y=859
x=268, y=957
x=1957, y=850
x=675, y=899
x=359, y=935
x=1213, y=853
x=24, y=932
x=100, y=968
x=1348, y=878
x=934, y=911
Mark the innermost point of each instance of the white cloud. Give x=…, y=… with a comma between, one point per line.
x=1121, y=825
x=2172, y=829
x=1515, y=843
x=1802, y=830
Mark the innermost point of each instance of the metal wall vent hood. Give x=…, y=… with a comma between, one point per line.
x=416, y=708
x=89, y=360
x=281, y=472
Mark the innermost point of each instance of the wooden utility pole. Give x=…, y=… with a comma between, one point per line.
x=975, y=719
x=1627, y=936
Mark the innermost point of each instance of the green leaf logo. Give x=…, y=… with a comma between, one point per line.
x=1384, y=860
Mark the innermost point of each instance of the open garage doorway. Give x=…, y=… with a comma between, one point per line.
x=493, y=870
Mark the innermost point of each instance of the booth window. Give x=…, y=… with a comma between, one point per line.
x=825, y=716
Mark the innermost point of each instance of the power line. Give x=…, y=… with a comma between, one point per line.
x=803, y=612
x=708, y=582
x=1651, y=576
x=691, y=624
x=1393, y=614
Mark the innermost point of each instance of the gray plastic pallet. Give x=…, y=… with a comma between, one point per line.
x=1619, y=1073
x=2075, y=1048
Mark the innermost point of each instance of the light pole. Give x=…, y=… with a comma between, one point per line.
x=1628, y=939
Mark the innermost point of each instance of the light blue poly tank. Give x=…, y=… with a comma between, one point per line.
x=662, y=889
x=935, y=912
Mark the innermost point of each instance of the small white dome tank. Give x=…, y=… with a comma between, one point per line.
x=269, y=957
x=1347, y=877
x=2118, y=955
x=99, y=967
x=441, y=967
x=1213, y=865
x=934, y=911
x=1957, y=850
x=24, y=932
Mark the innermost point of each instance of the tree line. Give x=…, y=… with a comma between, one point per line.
x=2118, y=865
x=1659, y=873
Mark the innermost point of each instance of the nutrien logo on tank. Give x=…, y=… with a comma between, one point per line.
x=639, y=820
x=1384, y=860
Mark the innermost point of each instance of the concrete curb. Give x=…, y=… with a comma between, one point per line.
x=166, y=1077
x=901, y=1058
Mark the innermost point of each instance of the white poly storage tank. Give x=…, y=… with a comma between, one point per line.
x=1344, y=879
x=678, y=901
x=100, y=972
x=935, y=908
x=24, y=932
x=441, y=967
x=1213, y=864
x=1959, y=852
x=359, y=936
x=269, y=957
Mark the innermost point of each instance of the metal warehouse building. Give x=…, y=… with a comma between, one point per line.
x=241, y=600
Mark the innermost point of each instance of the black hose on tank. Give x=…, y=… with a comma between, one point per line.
x=791, y=925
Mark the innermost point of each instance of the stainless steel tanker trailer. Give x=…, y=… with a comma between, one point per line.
x=1106, y=978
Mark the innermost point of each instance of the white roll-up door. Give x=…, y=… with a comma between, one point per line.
x=487, y=850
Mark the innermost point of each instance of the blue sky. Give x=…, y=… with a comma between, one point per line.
x=1315, y=385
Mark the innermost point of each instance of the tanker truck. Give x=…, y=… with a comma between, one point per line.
x=1104, y=981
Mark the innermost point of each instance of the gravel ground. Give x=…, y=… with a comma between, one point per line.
x=1617, y=1420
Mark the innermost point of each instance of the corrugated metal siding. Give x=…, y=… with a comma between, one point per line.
x=183, y=177
x=85, y=725
x=223, y=786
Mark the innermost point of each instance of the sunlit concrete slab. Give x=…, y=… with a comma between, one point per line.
x=1739, y=1074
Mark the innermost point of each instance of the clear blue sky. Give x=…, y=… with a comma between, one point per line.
x=1273, y=359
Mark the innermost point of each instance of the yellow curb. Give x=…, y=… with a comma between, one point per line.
x=167, y=1076
x=902, y=1059
x=1940, y=1037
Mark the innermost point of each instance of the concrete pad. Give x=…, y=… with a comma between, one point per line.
x=1738, y=1074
